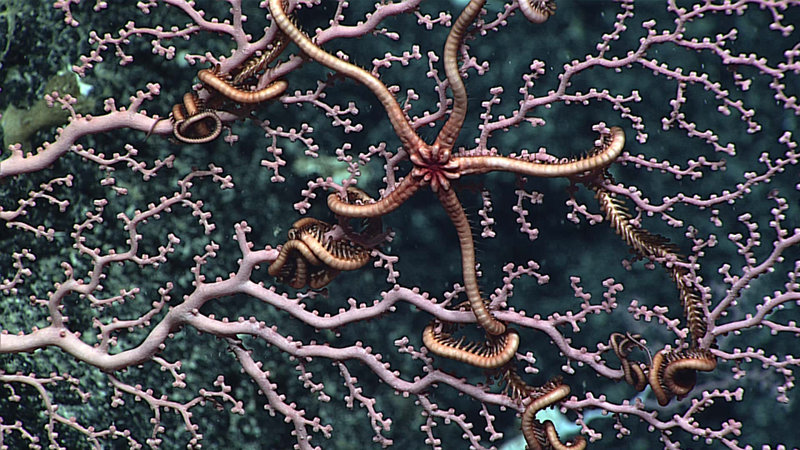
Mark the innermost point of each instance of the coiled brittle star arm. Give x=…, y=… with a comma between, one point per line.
x=496, y=352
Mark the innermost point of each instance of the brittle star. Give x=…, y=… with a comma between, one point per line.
x=435, y=165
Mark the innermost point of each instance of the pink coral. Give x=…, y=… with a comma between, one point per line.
x=135, y=303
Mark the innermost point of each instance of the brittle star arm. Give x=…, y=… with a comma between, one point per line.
x=449, y=132
x=388, y=203
x=411, y=142
x=601, y=157
x=453, y=207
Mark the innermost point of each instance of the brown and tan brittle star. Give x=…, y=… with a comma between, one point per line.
x=435, y=165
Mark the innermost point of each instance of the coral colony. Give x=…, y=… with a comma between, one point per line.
x=419, y=224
